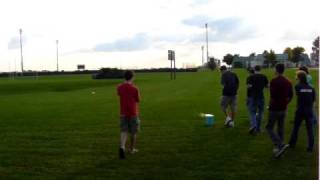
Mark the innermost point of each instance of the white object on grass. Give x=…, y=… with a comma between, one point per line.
x=228, y=118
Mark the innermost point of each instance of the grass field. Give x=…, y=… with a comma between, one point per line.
x=55, y=128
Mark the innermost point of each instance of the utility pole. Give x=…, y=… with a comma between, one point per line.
x=202, y=48
x=207, y=42
x=57, y=43
x=318, y=54
x=20, y=31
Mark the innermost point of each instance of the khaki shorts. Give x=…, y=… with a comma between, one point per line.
x=131, y=124
x=227, y=101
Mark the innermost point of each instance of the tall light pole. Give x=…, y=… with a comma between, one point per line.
x=57, y=43
x=207, y=42
x=318, y=54
x=20, y=31
x=202, y=48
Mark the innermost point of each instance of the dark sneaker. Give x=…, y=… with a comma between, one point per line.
x=281, y=150
x=310, y=150
x=121, y=153
x=230, y=124
x=252, y=130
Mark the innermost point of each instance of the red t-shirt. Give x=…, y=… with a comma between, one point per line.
x=129, y=99
x=281, y=93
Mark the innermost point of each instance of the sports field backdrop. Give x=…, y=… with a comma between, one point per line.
x=54, y=127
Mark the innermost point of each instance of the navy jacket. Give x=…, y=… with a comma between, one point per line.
x=230, y=83
x=305, y=97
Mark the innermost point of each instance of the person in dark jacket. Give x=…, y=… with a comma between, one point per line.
x=309, y=81
x=256, y=83
x=305, y=100
x=281, y=94
x=230, y=83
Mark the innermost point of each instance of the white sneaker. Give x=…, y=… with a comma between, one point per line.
x=133, y=151
x=281, y=150
x=231, y=123
x=227, y=120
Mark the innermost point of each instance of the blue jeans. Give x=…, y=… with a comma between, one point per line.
x=256, y=108
x=276, y=118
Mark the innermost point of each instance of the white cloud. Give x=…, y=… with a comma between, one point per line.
x=83, y=26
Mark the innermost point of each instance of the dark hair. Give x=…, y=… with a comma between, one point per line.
x=128, y=75
x=257, y=68
x=304, y=68
x=302, y=76
x=280, y=68
x=223, y=68
x=250, y=70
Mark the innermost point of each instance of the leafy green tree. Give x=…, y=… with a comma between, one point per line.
x=296, y=54
x=228, y=59
x=251, y=58
x=315, y=50
x=288, y=51
x=270, y=58
x=211, y=64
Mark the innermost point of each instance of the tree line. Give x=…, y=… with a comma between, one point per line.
x=294, y=55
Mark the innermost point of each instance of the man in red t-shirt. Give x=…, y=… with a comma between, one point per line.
x=281, y=94
x=129, y=121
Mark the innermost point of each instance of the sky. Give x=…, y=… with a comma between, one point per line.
x=139, y=33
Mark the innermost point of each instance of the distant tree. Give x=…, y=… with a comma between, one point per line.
x=270, y=57
x=211, y=64
x=252, y=55
x=288, y=51
x=296, y=54
x=251, y=58
x=228, y=59
x=315, y=50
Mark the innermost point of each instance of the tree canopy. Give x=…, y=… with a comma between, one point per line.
x=228, y=59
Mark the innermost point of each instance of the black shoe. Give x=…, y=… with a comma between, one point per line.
x=281, y=150
x=252, y=130
x=121, y=153
x=310, y=150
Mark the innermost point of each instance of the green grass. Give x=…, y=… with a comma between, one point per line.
x=54, y=128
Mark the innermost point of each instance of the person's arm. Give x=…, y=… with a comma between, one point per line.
x=297, y=90
x=249, y=82
x=137, y=95
x=266, y=82
x=272, y=90
x=237, y=82
x=222, y=82
x=313, y=95
x=309, y=79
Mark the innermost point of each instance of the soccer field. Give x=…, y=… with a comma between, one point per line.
x=56, y=128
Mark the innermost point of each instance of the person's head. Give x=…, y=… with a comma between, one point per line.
x=257, y=68
x=305, y=69
x=250, y=70
x=128, y=75
x=223, y=69
x=302, y=76
x=280, y=69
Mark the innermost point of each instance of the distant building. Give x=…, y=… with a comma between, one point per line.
x=251, y=61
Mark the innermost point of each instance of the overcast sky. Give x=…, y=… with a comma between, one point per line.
x=138, y=33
